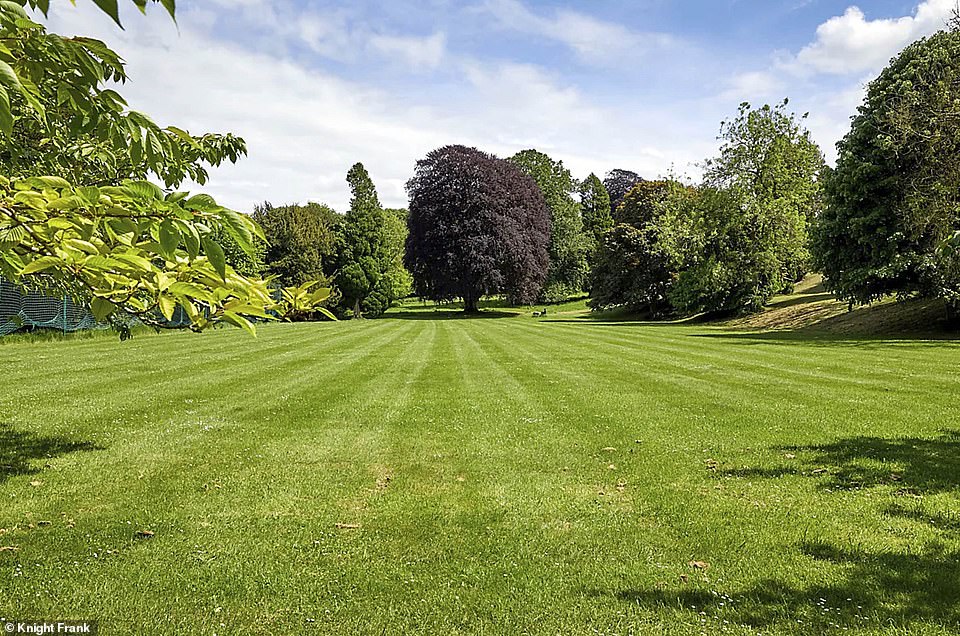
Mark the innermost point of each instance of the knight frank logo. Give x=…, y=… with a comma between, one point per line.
x=49, y=627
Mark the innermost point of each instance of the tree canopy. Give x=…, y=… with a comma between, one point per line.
x=76, y=212
x=618, y=183
x=893, y=202
x=362, y=253
x=745, y=228
x=727, y=245
x=478, y=226
x=595, y=208
x=569, y=245
x=300, y=241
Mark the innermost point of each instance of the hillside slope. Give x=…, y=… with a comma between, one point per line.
x=811, y=309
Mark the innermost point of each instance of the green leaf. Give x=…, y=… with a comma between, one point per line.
x=201, y=203
x=239, y=321
x=9, y=76
x=90, y=194
x=6, y=117
x=171, y=7
x=111, y=9
x=191, y=238
x=135, y=261
x=39, y=265
x=101, y=308
x=168, y=304
x=238, y=229
x=169, y=239
x=191, y=290
x=143, y=190
x=49, y=182
x=83, y=246
x=14, y=8
x=215, y=255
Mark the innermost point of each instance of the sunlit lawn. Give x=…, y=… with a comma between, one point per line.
x=506, y=475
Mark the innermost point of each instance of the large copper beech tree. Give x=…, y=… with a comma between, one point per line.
x=478, y=226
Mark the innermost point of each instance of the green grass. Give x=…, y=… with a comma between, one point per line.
x=507, y=475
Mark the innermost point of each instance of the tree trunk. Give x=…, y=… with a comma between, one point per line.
x=356, y=309
x=470, y=304
x=953, y=316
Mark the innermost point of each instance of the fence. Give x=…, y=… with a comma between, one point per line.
x=33, y=310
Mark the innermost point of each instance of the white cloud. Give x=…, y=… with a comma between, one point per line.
x=828, y=77
x=754, y=85
x=417, y=52
x=305, y=126
x=851, y=43
x=594, y=40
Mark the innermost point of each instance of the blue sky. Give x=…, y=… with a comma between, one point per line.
x=316, y=85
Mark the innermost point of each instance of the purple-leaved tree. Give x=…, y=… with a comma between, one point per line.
x=478, y=226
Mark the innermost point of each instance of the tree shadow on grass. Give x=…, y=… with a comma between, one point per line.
x=19, y=450
x=913, y=464
x=872, y=589
x=447, y=314
x=900, y=587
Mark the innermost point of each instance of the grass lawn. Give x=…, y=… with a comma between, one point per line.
x=503, y=475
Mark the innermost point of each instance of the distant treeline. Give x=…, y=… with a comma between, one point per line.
x=767, y=211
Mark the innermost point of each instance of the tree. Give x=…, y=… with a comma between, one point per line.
x=363, y=256
x=397, y=283
x=893, y=202
x=724, y=264
x=772, y=164
x=595, y=208
x=300, y=241
x=632, y=268
x=107, y=236
x=733, y=242
x=569, y=245
x=741, y=236
x=478, y=226
x=633, y=271
x=641, y=205
x=618, y=183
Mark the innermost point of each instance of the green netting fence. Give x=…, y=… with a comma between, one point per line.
x=21, y=309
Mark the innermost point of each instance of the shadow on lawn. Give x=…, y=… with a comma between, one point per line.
x=874, y=589
x=918, y=583
x=18, y=449
x=915, y=465
x=446, y=314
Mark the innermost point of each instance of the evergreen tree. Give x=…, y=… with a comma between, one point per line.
x=595, y=208
x=362, y=251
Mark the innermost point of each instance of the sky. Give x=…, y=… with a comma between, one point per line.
x=316, y=85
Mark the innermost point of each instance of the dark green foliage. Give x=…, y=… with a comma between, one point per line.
x=251, y=264
x=363, y=253
x=300, y=241
x=729, y=245
x=725, y=262
x=742, y=237
x=893, y=202
x=595, y=208
x=569, y=246
x=632, y=270
x=618, y=183
x=478, y=226
x=641, y=205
